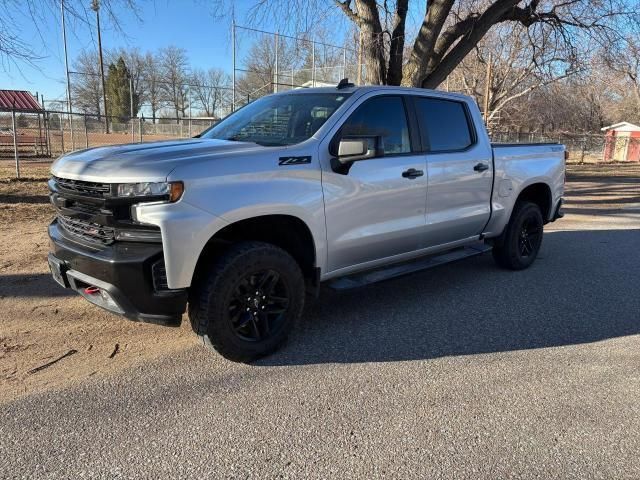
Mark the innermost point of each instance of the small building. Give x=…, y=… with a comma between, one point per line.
x=622, y=142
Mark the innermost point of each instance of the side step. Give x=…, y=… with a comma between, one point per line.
x=404, y=268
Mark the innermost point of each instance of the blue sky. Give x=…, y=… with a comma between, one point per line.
x=187, y=24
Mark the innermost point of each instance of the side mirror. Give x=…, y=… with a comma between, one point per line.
x=354, y=149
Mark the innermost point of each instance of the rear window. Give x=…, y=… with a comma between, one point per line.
x=444, y=124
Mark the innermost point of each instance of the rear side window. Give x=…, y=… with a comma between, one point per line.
x=444, y=124
x=381, y=116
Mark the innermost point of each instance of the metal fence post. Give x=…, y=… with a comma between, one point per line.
x=275, y=86
x=140, y=127
x=344, y=63
x=61, y=132
x=39, y=144
x=233, y=73
x=189, y=100
x=313, y=64
x=15, y=143
x=86, y=132
x=47, y=132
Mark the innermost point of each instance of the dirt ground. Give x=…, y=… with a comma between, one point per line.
x=40, y=322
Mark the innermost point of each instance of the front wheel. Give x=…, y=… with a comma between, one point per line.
x=247, y=303
x=520, y=243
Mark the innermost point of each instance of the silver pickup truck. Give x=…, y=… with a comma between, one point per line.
x=346, y=185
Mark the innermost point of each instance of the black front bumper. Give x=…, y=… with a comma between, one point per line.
x=124, y=271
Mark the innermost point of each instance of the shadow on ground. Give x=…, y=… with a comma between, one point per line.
x=31, y=285
x=583, y=288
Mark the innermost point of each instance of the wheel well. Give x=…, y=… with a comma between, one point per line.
x=540, y=194
x=287, y=232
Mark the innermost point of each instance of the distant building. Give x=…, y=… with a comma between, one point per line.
x=622, y=142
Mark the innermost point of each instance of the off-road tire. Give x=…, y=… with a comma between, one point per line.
x=212, y=298
x=508, y=250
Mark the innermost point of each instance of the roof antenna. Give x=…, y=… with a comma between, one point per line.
x=344, y=83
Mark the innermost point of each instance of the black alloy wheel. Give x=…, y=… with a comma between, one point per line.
x=258, y=305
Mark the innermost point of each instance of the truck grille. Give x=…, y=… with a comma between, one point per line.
x=81, y=187
x=87, y=231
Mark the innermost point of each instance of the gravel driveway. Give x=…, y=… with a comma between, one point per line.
x=465, y=371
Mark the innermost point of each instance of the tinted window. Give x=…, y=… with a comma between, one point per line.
x=381, y=116
x=444, y=124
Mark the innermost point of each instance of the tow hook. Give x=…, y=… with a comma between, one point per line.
x=91, y=290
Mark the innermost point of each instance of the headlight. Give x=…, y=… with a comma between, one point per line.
x=173, y=190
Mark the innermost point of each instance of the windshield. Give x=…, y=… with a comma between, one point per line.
x=278, y=120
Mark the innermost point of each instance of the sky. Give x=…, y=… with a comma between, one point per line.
x=187, y=24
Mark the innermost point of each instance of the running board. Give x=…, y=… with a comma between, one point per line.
x=404, y=268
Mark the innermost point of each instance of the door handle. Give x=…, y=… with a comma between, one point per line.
x=412, y=173
x=481, y=167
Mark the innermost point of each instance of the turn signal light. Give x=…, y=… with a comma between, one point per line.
x=176, y=191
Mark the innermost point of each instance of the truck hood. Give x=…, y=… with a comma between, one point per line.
x=148, y=162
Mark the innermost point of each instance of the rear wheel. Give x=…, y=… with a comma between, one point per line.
x=248, y=302
x=519, y=246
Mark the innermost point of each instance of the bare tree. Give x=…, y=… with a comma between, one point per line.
x=152, y=79
x=15, y=48
x=210, y=89
x=450, y=30
x=260, y=65
x=623, y=59
x=86, y=88
x=175, y=76
x=518, y=61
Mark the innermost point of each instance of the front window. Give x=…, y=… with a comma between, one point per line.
x=278, y=120
x=382, y=116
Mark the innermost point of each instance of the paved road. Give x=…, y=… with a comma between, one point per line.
x=466, y=371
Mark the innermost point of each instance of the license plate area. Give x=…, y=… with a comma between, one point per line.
x=58, y=271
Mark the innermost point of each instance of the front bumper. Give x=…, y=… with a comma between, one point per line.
x=121, y=275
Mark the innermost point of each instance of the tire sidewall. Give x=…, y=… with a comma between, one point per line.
x=524, y=212
x=215, y=325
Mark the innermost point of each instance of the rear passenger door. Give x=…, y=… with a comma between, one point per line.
x=460, y=171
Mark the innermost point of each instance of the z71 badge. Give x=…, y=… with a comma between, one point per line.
x=294, y=160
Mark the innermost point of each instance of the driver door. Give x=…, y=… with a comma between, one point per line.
x=375, y=208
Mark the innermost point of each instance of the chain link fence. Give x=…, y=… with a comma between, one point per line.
x=582, y=147
x=52, y=133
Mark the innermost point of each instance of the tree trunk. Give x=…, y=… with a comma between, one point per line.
x=373, y=41
x=396, y=50
x=422, y=52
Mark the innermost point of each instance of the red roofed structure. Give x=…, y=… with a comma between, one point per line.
x=20, y=101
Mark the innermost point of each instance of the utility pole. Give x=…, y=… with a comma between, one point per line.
x=487, y=89
x=95, y=5
x=66, y=66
